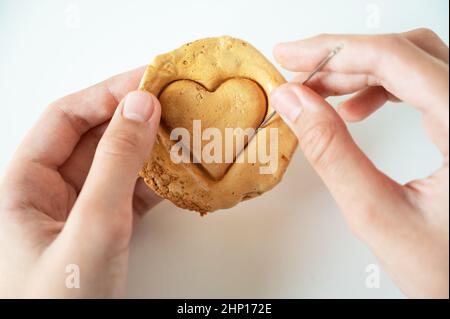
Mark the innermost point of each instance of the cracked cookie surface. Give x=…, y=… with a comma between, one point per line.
x=225, y=83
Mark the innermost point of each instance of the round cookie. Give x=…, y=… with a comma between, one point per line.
x=224, y=82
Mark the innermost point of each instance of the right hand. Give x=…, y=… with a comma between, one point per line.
x=407, y=226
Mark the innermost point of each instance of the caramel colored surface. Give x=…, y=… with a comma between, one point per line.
x=236, y=103
x=224, y=82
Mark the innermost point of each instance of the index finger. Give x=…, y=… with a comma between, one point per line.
x=394, y=62
x=52, y=139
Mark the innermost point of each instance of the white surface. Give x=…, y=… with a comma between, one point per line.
x=291, y=242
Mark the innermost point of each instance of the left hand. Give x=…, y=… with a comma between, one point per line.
x=70, y=196
x=406, y=226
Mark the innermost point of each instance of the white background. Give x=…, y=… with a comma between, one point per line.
x=291, y=242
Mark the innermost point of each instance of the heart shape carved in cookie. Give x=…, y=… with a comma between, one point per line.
x=223, y=82
x=235, y=103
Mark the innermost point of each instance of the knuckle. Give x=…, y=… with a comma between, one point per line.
x=57, y=103
x=61, y=108
x=316, y=142
x=120, y=143
x=425, y=33
x=322, y=36
x=386, y=47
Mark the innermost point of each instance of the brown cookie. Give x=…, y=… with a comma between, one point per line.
x=224, y=83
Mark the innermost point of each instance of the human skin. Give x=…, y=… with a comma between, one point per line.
x=406, y=226
x=70, y=196
x=61, y=205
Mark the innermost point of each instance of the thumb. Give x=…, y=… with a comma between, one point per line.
x=105, y=201
x=359, y=188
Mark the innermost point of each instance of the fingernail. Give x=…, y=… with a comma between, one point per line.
x=286, y=102
x=138, y=106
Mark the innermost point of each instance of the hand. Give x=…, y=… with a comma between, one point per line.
x=407, y=226
x=62, y=206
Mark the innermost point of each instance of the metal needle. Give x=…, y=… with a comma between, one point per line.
x=313, y=72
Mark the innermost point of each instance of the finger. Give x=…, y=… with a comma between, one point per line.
x=103, y=210
x=351, y=177
x=51, y=141
x=334, y=84
x=306, y=54
x=144, y=198
x=364, y=103
x=329, y=83
x=367, y=100
x=76, y=168
x=428, y=41
x=388, y=58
